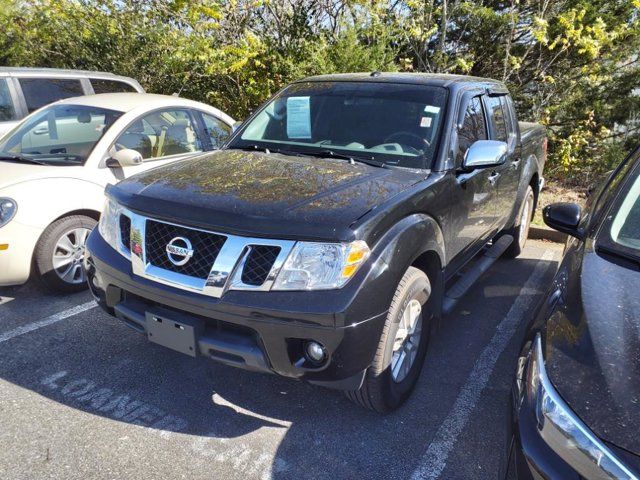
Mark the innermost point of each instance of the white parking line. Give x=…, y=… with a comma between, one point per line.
x=50, y=320
x=434, y=460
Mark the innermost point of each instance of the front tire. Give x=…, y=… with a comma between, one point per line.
x=60, y=251
x=403, y=345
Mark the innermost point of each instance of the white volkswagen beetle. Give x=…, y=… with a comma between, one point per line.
x=55, y=165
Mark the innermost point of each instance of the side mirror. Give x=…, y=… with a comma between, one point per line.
x=236, y=126
x=485, y=154
x=564, y=217
x=124, y=158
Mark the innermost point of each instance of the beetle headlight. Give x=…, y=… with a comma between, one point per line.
x=109, y=219
x=8, y=209
x=321, y=266
x=563, y=431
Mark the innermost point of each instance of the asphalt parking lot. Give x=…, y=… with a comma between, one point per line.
x=83, y=396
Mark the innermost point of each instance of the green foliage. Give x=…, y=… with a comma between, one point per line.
x=571, y=64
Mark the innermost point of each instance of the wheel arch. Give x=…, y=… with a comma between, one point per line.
x=430, y=263
x=416, y=240
x=534, y=183
x=87, y=212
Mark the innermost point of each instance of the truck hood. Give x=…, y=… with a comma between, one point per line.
x=593, y=347
x=264, y=194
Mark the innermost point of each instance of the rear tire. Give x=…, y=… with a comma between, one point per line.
x=388, y=382
x=520, y=231
x=62, y=243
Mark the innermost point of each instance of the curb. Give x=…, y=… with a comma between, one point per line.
x=543, y=233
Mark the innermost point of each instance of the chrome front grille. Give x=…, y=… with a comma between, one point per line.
x=219, y=262
x=206, y=247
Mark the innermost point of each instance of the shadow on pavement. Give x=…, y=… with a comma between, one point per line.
x=95, y=364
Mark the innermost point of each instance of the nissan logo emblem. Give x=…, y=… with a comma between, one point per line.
x=179, y=251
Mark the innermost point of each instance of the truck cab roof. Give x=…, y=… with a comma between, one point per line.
x=413, y=78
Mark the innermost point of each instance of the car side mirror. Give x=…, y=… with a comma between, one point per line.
x=485, y=154
x=124, y=158
x=564, y=217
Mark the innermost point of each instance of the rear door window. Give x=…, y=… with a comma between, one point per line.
x=111, y=86
x=511, y=122
x=7, y=109
x=39, y=92
x=497, y=118
x=216, y=130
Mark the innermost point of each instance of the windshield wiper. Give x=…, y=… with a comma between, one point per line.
x=21, y=158
x=344, y=156
x=250, y=148
x=322, y=154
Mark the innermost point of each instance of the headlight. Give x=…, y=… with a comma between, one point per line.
x=563, y=431
x=8, y=209
x=108, y=226
x=321, y=266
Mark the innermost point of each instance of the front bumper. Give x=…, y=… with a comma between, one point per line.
x=263, y=331
x=15, y=260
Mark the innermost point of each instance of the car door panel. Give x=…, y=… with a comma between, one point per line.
x=500, y=128
x=509, y=183
x=473, y=201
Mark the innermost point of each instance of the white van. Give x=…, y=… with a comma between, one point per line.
x=25, y=90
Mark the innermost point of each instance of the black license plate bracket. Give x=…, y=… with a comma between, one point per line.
x=176, y=335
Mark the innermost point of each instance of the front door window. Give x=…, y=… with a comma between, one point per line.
x=161, y=134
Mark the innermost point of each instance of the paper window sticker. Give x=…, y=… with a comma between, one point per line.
x=432, y=109
x=425, y=122
x=298, y=117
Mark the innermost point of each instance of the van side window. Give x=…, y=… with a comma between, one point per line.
x=7, y=110
x=110, y=86
x=497, y=119
x=39, y=92
x=473, y=128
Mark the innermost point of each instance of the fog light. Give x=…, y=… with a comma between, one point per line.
x=315, y=352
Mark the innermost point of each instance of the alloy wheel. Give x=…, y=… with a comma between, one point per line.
x=407, y=340
x=68, y=255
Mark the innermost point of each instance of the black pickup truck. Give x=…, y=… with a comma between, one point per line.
x=332, y=230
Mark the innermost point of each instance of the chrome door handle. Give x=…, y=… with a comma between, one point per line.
x=493, y=178
x=41, y=131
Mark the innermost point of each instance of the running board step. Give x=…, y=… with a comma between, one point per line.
x=483, y=264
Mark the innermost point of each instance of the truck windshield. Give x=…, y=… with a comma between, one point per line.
x=58, y=135
x=385, y=123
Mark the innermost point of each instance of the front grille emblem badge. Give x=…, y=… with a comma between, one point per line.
x=179, y=251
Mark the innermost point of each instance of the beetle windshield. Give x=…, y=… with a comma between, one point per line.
x=58, y=135
x=394, y=124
